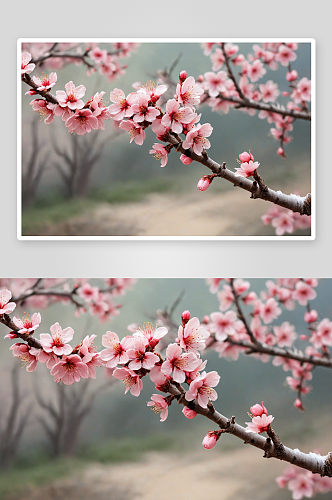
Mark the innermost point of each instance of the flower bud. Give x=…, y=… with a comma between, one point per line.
x=186, y=160
x=281, y=152
x=298, y=404
x=187, y=412
x=291, y=75
x=258, y=410
x=209, y=440
x=185, y=316
x=246, y=157
x=204, y=183
x=311, y=316
x=182, y=76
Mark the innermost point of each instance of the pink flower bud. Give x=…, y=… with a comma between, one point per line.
x=182, y=76
x=246, y=157
x=200, y=78
x=281, y=152
x=311, y=317
x=187, y=412
x=298, y=404
x=186, y=160
x=204, y=183
x=206, y=319
x=10, y=335
x=285, y=93
x=291, y=75
x=258, y=410
x=185, y=316
x=209, y=441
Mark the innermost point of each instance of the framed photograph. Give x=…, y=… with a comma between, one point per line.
x=230, y=121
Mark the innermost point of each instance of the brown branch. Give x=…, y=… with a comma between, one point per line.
x=5, y=319
x=310, y=461
x=294, y=203
x=240, y=314
x=44, y=93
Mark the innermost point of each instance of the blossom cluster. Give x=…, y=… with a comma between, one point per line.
x=286, y=221
x=303, y=483
x=223, y=92
x=229, y=335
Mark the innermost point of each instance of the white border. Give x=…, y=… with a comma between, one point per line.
x=312, y=41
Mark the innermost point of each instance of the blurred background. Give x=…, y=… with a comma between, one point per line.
x=120, y=189
x=113, y=446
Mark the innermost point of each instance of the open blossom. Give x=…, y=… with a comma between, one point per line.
x=159, y=405
x=160, y=153
x=139, y=357
x=223, y=324
x=285, y=55
x=260, y=423
x=27, y=324
x=122, y=104
x=26, y=66
x=256, y=70
x=6, y=307
x=88, y=293
x=269, y=311
x=46, y=110
x=27, y=355
x=323, y=334
x=193, y=336
x=201, y=388
x=303, y=292
x=153, y=92
x=269, y=91
x=151, y=333
x=45, y=82
x=57, y=343
x=188, y=93
x=247, y=169
x=285, y=334
x=177, y=363
x=142, y=111
x=82, y=122
x=196, y=138
x=175, y=117
x=215, y=82
x=116, y=351
x=135, y=131
x=69, y=369
x=72, y=97
x=131, y=380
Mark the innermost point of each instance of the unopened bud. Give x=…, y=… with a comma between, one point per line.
x=182, y=76
x=291, y=75
x=204, y=183
x=187, y=412
x=311, y=316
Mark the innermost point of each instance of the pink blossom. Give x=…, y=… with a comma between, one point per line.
x=6, y=307
x=188, y=93
x=209, y=440
x=69, y=369
x=303, y=293
x=175, y=117
x=215, y=82
x=82, y=121
x=27, y=356
x=256, y=70
x=302, y=485
x=196, y=138
x=72, y=97
x=144, y=112
x=26, y=66
x=188, y=413
x=45, y=109
x=140, y=358
x=303, y=90
x=192, y=337
x=45, y=82
x=285, y=55
x=88, y=293
x=284, y=222
x=223, y=324
x=160, y=153
x=157, y=376
x=270, y=311
x=204, y=183
x=98, y=55
x=226, y=298
x=247, y=169
x=27, y=324
x=218, y=59
x=323, y=333
x=201, y=388
x=122, y=107
x=159, y=405
x=88, y=349
x=269, y=91
x=57, y=342
x=151, y=333
x=259, y=424
x=135, y=131
x=116, y=351
x=132, y=381
x=285, y=334
x=153, y=92
x=246, y=157
x=176, y=363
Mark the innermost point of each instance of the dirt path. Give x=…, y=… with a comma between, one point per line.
x=198, y=214
x=239, y=474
